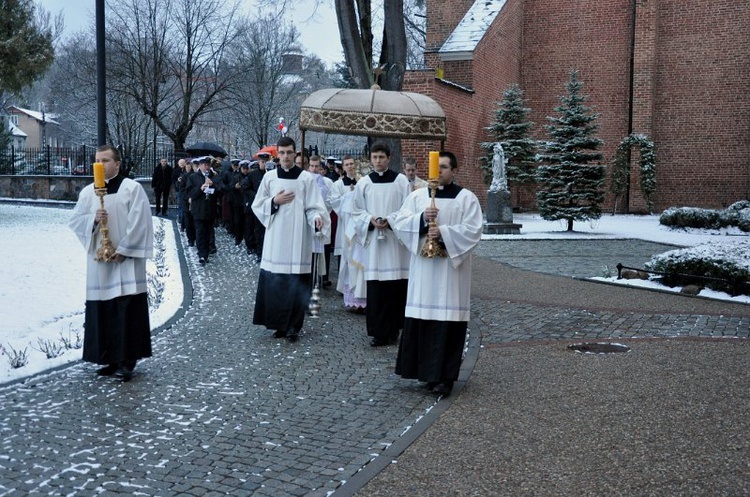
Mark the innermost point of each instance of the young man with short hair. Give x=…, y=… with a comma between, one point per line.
x=377, y=197
x=290, y=206
x=437, y=304
x=117, y=328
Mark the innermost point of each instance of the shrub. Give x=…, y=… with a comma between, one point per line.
x=719, y=266
x=737, y=214
x=49, y=348
x=17, y=358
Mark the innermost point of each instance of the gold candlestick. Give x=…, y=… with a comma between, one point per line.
x=106, y=250
x=432, y=247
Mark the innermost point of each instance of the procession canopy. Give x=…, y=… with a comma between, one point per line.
x=373, y=112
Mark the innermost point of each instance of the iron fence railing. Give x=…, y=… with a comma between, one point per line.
x=56, y=161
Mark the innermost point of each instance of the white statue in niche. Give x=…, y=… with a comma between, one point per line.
x=499, y=180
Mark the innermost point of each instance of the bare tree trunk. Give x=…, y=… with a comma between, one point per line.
x=393, y=54
x=355, y=51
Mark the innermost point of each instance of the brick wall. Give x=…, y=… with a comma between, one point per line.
x=702, y=102
x=496, y=64
x=443, y=17
x=691, y=85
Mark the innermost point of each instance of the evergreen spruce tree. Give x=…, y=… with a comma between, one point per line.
x=512, y=130
x=570, y=186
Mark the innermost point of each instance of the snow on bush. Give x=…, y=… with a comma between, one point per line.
x=720, y=266
x=737, y=214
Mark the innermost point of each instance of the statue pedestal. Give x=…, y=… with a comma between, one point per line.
x=500, y=214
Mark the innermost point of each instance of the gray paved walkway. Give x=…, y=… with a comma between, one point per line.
x=222, y=408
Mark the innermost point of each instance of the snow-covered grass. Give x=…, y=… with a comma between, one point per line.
x=42, y=292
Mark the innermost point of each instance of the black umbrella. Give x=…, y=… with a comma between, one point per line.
x=206, y=148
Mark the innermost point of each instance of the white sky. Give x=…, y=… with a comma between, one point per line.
x=318, y=33
x=42, y=292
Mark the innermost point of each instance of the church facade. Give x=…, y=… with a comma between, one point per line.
x=676, y=71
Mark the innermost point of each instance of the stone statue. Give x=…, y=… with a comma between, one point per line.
x=499, y=180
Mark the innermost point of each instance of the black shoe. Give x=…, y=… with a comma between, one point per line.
x=124, y=373
x=293, y=337
x=279, y=334
x=203, y=261
x=327, y=284
x=431, y=385
x=444, y=388
x=212, y=251
x=191, y=244
x=393, y=338
x=107, y=370
x=378, y=342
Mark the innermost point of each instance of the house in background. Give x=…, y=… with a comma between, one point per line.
x=677, y=72
x=40, y=128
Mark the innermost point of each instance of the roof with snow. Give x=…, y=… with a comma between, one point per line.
x=16, y=131
x=462, y=42
x=47, y=117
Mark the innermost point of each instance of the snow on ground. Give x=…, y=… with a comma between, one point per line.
x=42, y=290
x=616, y=227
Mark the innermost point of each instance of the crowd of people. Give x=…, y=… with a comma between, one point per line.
x=300, y=213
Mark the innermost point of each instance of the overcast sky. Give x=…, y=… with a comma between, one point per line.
x=318, y=34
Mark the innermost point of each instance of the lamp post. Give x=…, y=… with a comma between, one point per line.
x=44, y=138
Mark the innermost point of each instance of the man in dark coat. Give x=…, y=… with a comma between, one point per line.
x=161, y=182
x=202, y=194
x=256, y=176
x=232, y=191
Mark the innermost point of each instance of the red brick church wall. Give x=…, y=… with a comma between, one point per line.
x=691, y=93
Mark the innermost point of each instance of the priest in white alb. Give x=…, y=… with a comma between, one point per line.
x=439, y=290
x=117, y=330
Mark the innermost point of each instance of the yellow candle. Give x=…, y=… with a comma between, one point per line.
x=434, y=172
x=98, y=175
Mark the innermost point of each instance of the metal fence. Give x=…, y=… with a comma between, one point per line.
x=57, y=161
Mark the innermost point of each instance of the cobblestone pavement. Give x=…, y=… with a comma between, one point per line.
x=223, y=408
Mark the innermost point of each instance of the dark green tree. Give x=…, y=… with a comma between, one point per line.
x=512, y=129
x=570, y=184
x=26, y=51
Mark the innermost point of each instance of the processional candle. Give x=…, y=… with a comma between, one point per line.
x=434, y=172
x=98, y=175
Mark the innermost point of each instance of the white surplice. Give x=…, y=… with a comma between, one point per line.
x=131, y=232
x=288, y=242
x=439, y=288
x=386, y=258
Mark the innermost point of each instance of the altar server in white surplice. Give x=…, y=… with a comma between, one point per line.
x=117, y=330
x=289, y=204
x=377, y=196
x=437, y=303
